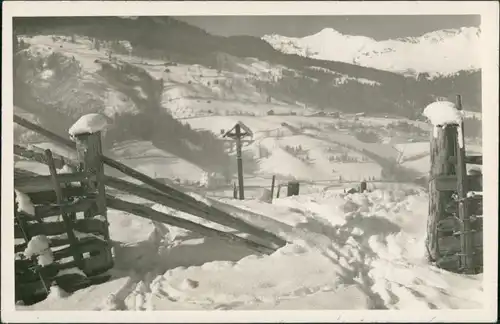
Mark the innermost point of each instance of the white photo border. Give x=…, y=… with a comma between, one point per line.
x=489, y=51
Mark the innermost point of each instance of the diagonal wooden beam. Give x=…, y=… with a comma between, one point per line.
x=154, y=215
x=179, y=204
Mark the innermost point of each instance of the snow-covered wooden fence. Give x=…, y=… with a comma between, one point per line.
x=47, y=193
x=61, y=228
x=454, y=228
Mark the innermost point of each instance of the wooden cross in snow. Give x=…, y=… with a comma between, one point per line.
x=237, y=134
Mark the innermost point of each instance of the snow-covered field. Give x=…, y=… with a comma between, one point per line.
x=360, y=251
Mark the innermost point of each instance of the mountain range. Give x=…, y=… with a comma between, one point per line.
x=316, y=82
x=438, y=53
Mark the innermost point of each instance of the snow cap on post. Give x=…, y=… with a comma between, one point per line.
x=441, y=113
x=89, y=124
x=24, y=203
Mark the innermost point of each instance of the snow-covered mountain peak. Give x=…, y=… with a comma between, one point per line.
x=442, y=52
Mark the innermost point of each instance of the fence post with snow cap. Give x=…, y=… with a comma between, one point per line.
x=86, y=133
x=454, y=234
x=88, y=147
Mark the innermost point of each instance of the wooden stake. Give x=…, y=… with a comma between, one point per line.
x=235, y=191
x=272, y=187
x=466, y=237
x=240, y=161
x=89, y=149
x=67, y=221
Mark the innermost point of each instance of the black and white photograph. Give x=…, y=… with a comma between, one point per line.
x=183, y=158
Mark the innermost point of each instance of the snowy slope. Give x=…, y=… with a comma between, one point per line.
x=156, y=163
x=434, y=53
x=274, y=133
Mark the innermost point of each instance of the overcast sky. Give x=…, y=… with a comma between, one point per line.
x=377, y=27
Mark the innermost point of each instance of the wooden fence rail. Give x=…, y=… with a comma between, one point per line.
x=43, y=183
x=37, y=154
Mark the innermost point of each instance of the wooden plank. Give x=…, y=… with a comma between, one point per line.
x=27, y=235
x=452, y=262
x=23, y=173
x=475, y=206
x=272, y=186
x=94, y=226
x=49, y=196
x=154, y=215
x=87, y=245
x=57, y=241
x=37, y=154
x=452, y=243
x=152, y=195
x=74, y=247
x=239, y=162
x=466, y=238
x=449, y=182
x=474, y=159
x=44, y=183
x=40, y=130
x=93, y=265
x=77, y=206
x=206, y=212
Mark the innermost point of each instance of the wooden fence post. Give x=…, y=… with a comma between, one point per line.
x=235, y=191
x=239, y=160
x=442, y=147
x=68, y=222
x=89, y=150
x=362, y=186
x=293, y=188
x=272, y=186
x=278, y=191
